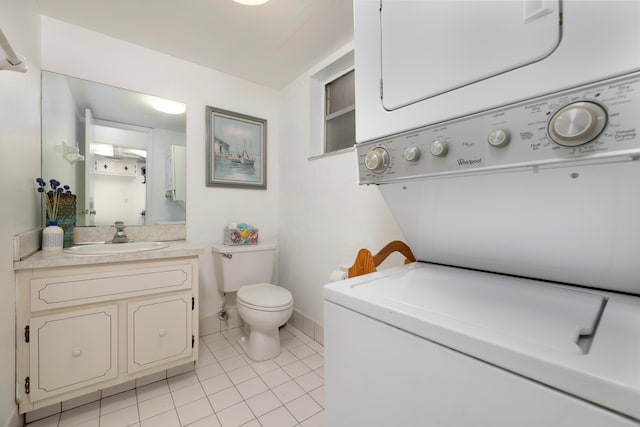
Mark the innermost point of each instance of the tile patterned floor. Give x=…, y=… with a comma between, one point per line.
x=225, y=388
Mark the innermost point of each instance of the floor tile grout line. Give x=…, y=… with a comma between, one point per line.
x=205, y=397
x=158, y=414
x=275, y=409
x=137, y=407
x=201, y=418
x=269, y=390
x=255, y=417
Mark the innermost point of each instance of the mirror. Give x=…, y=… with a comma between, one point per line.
x=122, y=158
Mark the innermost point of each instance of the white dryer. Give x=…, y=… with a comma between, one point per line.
x=421, y=62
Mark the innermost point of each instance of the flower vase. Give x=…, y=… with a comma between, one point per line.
x=52, y=237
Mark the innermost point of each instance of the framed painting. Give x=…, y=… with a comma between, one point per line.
x=236, y=150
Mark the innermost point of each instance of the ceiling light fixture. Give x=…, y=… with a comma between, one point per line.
x=168, y=106
x=251, y=2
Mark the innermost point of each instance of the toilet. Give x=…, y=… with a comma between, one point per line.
x=264, y=307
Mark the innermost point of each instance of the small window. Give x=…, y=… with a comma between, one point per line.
x=340, y=113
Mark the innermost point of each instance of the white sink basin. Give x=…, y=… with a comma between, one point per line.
x=115, y=248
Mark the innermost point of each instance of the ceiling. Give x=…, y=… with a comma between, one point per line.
x=119, y=105
x=270, y=44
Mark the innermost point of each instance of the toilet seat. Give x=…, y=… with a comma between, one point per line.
x=264, y=297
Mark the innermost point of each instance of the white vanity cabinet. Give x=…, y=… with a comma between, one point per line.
x=83, y=328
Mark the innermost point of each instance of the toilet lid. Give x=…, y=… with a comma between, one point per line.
x=264, y=295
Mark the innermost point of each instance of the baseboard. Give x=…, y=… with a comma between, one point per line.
x=308, y=326
x=13, y=420
x=211, y=324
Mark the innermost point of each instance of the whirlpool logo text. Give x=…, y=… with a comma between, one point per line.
x=469, y=162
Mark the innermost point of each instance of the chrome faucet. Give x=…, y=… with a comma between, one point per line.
x=120, y=236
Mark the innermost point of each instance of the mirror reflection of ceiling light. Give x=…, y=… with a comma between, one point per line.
x=168, y=106
x=134, y=152
x=102, y=149
x=251, y=2
x=115, y=152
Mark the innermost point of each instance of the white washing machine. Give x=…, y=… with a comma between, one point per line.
x=431, y=345
x=524, y=307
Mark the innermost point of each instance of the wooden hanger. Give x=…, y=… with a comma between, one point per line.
x=366, y=263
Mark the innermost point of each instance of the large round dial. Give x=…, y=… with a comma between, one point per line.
x=377, y=160
x=577, y=123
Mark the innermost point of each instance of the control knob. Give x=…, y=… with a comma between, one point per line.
x=439, y=148
x=577, y=123
x=411, y=153
x=377, y=160
x=499, y=138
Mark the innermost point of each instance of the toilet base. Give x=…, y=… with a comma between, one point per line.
x=260, y=345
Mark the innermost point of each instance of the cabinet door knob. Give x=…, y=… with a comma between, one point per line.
x=162, y=332
x=76, y=352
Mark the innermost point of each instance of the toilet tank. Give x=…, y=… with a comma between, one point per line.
x=236, y=266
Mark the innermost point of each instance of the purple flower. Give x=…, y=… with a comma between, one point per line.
x=51, y=197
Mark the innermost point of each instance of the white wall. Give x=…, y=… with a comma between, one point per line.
x=162, y=209
x=325, y=217
x=120, y=198
x=20, y=165
x=75, y=51
x=59, y=124
x=315, y=209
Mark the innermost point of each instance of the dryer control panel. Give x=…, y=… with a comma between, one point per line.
x=597, y=121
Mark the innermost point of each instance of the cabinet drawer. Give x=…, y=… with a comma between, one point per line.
x=70, y=290
x=160, y=331
x=72, y=350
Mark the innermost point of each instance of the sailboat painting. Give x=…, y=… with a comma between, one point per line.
x=236, y=150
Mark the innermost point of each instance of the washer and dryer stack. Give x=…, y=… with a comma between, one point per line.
x=516, y=185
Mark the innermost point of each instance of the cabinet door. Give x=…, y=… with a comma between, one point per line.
x=72, y=350
x=160, y=331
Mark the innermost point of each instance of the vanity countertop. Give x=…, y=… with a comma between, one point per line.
x=42, y=259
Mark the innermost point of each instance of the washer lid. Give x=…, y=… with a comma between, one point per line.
x=508, y=311
x=583, y=342
x=264, y=295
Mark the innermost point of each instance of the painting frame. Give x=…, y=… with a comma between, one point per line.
x=236, y=150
